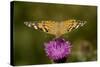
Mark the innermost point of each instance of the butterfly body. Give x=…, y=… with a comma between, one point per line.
x=54, y=27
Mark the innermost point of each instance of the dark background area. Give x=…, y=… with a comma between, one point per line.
x=28, y=44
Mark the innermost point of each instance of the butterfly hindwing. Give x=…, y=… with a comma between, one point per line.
x=48, y=26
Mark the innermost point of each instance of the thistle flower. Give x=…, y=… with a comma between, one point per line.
x=58, y=50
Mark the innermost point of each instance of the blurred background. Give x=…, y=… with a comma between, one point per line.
x=28, y=44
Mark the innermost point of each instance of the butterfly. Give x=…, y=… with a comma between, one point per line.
x=56, y=28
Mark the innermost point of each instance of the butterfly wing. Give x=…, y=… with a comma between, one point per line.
x=56, y=28
x=70, y=25
x=45, y=26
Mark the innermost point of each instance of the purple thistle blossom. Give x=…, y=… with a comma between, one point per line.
x=58, y=49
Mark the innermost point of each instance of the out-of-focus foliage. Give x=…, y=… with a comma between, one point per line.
x=28, y=46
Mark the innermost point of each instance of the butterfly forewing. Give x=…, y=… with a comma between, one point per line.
x=31, y=25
